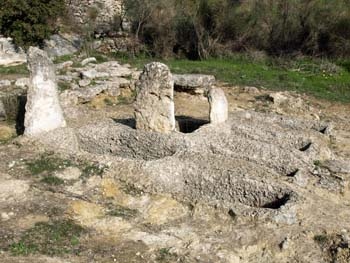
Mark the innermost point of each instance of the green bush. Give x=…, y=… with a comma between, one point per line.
x=205, y=28
x=29, y=22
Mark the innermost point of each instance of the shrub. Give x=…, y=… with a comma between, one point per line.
x=29, y=22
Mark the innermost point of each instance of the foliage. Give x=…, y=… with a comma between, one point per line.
x=29, y=22
x=47, y=164
x=49, y=238
x=202, y=28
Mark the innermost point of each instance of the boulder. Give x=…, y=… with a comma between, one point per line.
x=218, y=105
x=193, y=83
x=154, y=105
x=9, y=54
x=43, y=110
x=58, y=46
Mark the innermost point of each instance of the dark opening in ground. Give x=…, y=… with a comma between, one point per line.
x=294, y=173
x=187, y=124
x=323, y=130
x=277, y=203
x=305, y=147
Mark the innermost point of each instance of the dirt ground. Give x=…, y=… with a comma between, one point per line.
x=60, y=208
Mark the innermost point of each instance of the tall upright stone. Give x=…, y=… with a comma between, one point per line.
x=154, y=106
x=218, y=106
x=43, y=110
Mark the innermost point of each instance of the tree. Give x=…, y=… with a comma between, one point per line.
x=29, y=22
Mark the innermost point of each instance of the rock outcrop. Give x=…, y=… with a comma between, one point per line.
x=43, y=110
x=9, y=55
x=154, y=106
x=218, y=105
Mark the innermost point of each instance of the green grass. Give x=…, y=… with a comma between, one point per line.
x=92, y=169
x=47, y=164
x=18, y=70
x=52, y=180
x=63, y=58
x=49, y=238
x=319, y=78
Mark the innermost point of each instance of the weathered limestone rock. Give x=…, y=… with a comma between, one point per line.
x=218, y=105
x=43, y=110
x=193, y=83
x=9, y=56
x=154, y=106
x=57, y=46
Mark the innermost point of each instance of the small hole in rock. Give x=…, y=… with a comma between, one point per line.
x=292, y=174
x=323, y=130
x=130, y=122
x=232, y=214
x=277, y=203
x=188, y=124
x=305, y=147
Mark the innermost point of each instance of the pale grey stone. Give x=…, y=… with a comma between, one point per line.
x=64, y=65
x=22, y=82
x=193, y=83
x=218, y=105
x=154, y=105
x=43, y=110
x=5, y=83
x=57, y=46
x=88, y=61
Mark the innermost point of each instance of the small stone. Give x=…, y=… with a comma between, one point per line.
x=84, y=82
x=248, y=89
x=278, y=98
x=93, y=74
x=218, y=106
x=6, y=132
x=22, y=82
x=64, y=65
x=154, y=106
x=5, y=83
x=88, y=60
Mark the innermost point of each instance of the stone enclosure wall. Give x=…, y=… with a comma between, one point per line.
x=107, y=9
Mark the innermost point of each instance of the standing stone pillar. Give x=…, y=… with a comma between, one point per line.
x=218, y=106
x=154, y=105
x=43, y=111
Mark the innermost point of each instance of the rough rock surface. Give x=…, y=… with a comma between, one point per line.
x=57, y=46
x=154, y=105
x=43, y=110
x=218, y=111
x=9, y=56
x=193, y=83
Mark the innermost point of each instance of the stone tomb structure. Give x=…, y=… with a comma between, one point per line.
x=154, y=106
